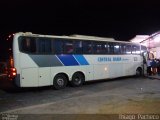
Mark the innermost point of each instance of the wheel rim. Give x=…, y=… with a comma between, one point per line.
x=60, y=82
x=138, y=72
x=78, y=80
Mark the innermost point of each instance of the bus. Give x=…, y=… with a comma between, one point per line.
x=48, y=60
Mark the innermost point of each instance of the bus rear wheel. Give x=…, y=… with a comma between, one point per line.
x=60, y=81
x=77, y=79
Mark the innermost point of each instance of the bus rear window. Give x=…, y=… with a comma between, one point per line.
x=27, y=44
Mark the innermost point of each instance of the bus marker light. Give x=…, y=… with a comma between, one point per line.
x=105, y=68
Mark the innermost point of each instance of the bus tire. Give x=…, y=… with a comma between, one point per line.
x=139, y=72
x=77, y=79
x=60, y=81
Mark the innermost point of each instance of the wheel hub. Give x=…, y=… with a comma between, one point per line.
x=60, y=82
x=78, y=80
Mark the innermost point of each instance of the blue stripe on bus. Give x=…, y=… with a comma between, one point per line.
x=68, y=60
x=81, y=59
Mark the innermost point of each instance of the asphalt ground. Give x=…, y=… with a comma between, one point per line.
x=128, y=95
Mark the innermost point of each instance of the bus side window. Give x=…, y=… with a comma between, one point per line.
x=78, y=47
x=135, y=49
x=106, y=48
x=27, y=44
x=111, y=48
x=87, y=47
x=116, y=48
x=44, y=45
x=128, y=49
x=68, y=47
x=58, y=45
x=98, y=47
x=138, y=49
x=123, y=49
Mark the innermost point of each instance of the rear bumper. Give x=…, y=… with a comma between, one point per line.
x=16, y=80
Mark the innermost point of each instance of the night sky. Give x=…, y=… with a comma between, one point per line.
x=120, y=19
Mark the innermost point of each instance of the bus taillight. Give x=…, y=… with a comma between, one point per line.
x=13, y=69
x=12, y=73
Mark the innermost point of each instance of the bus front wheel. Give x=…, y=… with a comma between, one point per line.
x=77, y=79
x=60, y=81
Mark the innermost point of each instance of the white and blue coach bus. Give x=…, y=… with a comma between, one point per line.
x=44, y=60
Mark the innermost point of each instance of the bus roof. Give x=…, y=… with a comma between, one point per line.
x=74, y=36
x=91, y=37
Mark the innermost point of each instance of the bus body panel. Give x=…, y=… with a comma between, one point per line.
x=101, y=72
x=98, y=70
x=29, y=77
x=40, y=69
x=44, y=76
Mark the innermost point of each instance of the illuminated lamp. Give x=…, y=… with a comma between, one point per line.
x=157, y=39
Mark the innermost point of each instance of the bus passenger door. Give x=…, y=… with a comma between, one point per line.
x=145, y=59
x=44, y=78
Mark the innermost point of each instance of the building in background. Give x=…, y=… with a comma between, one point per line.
x=152, y=42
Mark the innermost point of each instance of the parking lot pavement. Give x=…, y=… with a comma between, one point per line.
x=121, y=95
x=154, y=77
